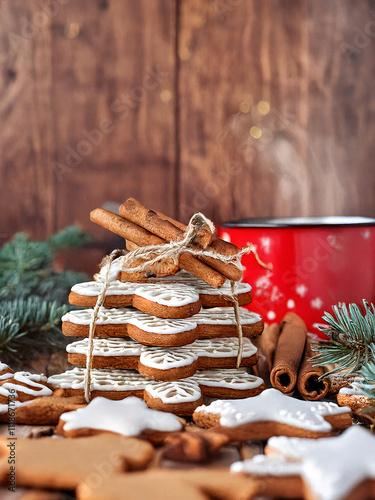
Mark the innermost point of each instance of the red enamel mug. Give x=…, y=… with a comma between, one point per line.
x=317, y=262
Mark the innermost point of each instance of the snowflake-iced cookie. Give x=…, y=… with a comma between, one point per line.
x=150, y=330
x=163, y=363
x=119, y=294
x=336, y=468
x=159, y=299
x=271, y=413
x=180, y=397
x=128, y=417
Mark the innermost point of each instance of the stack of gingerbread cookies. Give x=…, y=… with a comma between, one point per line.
x=168, y=334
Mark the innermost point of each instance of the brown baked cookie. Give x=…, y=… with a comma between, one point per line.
x=303, y=468
x=167, y=484
x=128, y=417
x=45, y=410
x=158, y=299
x=355, y=400
x=64, y=463
x=180, y=396
x=161, y=363
x=21, y=397
x=272, y=413
x=119, y=294
x=218, y=322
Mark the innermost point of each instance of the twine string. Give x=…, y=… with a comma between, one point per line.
x=94, y=318
x=233, y=298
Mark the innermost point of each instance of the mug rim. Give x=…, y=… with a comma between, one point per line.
x=283, y=222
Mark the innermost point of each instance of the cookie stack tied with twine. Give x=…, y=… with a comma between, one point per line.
x=165, y=321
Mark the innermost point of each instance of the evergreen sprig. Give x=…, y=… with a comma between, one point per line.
x=350, y=345
x=33, y=295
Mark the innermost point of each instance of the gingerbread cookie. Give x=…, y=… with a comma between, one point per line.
x=180, y=397
x=128, y=417
x=162, y=363
x=162, y=300
x=272, y=413
x=45, y=410
x=151, y=330
x=64, y=463
x=354, y=399
x=336, y=468
x=18, y=389
x=169, y=484
x=120, y=294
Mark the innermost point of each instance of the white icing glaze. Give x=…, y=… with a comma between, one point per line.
x=152, y=324
x=161, y=357
x=128, y=315
x=93, y=288
x=13, y=406
x=332, y=467
x=225, y=316
x=237, y=379
x=262, y=465
x=221, y=348
x=107, y=347
x=32, y=387
x=4, y=366
x=351, y=391
x=117, y=287
x=180, y=391
x=106, y=316
x=101, y=380
x=184, y=390
x=273, y=405
x=166, y=359
x=129, y=417
x=172, y=295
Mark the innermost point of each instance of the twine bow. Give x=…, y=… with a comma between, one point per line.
x=152, y=254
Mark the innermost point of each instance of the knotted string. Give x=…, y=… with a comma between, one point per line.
x=152, y=254
x=94, y=318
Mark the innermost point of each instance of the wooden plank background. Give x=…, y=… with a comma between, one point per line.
x=236, y=108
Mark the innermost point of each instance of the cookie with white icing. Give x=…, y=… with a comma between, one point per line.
x=128, y=417
x=120, y=294
x=151, y=330
x=334, y=468
x=355, y=399
x=180, y=397
x=21, y=387
x=163, y=363
x=165, y=300
x=272, y=413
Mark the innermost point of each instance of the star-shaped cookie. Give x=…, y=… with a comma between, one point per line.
x=129, y=417
x=272, y=413
x=336, y=468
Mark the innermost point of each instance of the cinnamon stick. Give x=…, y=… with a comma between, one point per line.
x=267, y=342
x=141, y=237
x=288, y=353
x=308, y=383
x=158, y=224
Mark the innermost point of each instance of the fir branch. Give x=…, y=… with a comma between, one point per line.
x=70, y=237
x=367, y=387
x=33, y=294
x=351, y=337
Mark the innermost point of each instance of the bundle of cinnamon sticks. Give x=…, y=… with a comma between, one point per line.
x=141, y=227
x=286, y=348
